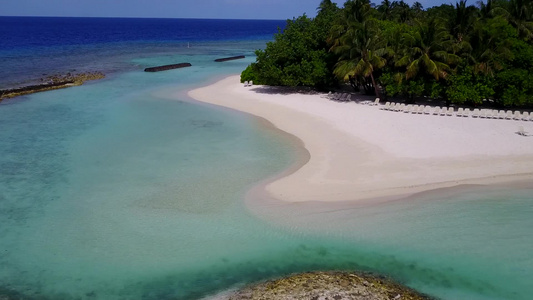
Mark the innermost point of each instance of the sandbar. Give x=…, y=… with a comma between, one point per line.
x=360, y=152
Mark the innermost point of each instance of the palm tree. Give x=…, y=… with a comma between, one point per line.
x=357, y=41
x=417, y=9
x=486, y=10
x=520, y=14
x=327, y=14
x=393, y=36
x=460, y=25
x=417, y=6
x=385, y=10
x=357, y=11
x=462, y=21
x=427, y=49
x=401, y=10
x=325, y=5
x=360, y=58
x=490, y=45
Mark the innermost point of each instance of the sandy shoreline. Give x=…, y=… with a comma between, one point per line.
x=361, y=152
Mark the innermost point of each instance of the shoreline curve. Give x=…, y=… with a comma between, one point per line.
x=360, y=153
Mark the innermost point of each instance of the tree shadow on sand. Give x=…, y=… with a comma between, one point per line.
x=284, y=90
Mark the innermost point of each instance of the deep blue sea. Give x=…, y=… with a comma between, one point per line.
x=33, y=47
x=125, y=188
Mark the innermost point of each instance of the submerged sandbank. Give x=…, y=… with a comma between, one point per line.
x=361, y=152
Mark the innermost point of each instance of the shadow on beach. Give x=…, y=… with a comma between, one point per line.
x=284, y=90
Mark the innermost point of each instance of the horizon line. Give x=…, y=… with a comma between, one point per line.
x=188, y=18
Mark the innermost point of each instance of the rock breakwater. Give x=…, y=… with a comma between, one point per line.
x=168, y=67
x=51, y=83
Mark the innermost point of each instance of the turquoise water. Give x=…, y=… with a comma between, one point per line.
x=469, y=243
x=113, y=190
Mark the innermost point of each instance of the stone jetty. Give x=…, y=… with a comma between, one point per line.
x=229, y=58
x=167, y=67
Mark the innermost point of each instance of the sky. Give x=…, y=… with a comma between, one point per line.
x=217, y=9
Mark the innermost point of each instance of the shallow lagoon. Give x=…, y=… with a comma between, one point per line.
x=112, y=190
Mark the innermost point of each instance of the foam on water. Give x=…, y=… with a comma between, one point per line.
x=112, y=190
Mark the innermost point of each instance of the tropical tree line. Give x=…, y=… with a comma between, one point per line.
x=463, y=54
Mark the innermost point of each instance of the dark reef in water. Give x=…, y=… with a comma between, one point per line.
x=52, y=83
x=7, y=294
x=167, y=67
x=329, y=285
x=229, y=58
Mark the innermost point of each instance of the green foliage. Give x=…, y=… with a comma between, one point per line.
x=397, y=85
x=392, y=86
x=248, y=74
x=465, y=87
x=434, y=90
x=522, y=54
x=514, y=87
x=298, y=56
x=445, y=12
x=415, y=88
x=460, y=53
x=514, y=84
x=358, y=42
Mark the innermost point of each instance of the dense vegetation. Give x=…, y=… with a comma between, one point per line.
x=461, y=54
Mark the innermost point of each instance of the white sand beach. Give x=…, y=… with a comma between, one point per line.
x=361, y=152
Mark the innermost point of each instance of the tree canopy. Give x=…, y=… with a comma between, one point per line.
x=460, y=53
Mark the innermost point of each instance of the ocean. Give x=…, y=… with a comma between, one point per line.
x=125, y=188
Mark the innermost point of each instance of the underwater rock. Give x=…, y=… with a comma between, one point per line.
x=329, y=285
x=52, y=83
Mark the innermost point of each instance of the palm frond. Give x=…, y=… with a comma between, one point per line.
x=412, y=69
